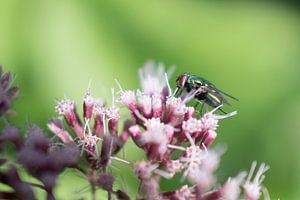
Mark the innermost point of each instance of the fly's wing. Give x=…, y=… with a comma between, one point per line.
x=213, y=87
x=218, y=93
x=226, y=94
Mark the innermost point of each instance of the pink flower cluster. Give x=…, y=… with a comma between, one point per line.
x=173, y=135
x=105, y=121
x=165, y=124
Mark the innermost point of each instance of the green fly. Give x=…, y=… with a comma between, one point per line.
x=205, y=92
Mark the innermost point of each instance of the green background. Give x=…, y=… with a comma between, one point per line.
x=248, y=49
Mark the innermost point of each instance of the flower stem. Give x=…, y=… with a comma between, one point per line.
x=93, y=192
x=50, y=195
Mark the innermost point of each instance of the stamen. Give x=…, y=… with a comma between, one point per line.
x=97, y=150
x=152, y=168
x=88, y=90
x=184, y=175
x=251, y=171
x=171, y=70
x=191, y=95
x=226, y=116
x=120, y=160
x=177, y=130
x=204, y=147
x=176, y=147
x=168, y=85
x=241, y=176
x=119, y=85
x=163, y=173
x=139, y=115
x=259, y=175
x=175, y=91
x=91, y=153
x=104, y=123
x=86, y=126
x=188, y=136
x=266, y=193
x=113, y=97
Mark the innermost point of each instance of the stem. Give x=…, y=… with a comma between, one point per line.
x=108, y=195
x=120, y=160
x=139, y=190
x=50, y=195
x=93, y=192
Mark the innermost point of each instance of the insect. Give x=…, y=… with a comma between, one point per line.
x=207, y=92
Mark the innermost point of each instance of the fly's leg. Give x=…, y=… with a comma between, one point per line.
x=198, y=112
x=204, y=108
x=223, y=111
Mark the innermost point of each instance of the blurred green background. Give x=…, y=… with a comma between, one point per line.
x=248, y=49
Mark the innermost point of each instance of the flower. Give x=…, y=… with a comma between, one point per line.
x=106, y=120
x=253, y=188
x=232, y=188
x=8, y=91
x=149, y=181
x=173, y=166
x=67, y=109
x=200, y=166
x=128, y=98
x=56, y=126
x=152, y=78
x=156, y=138
x=183, y=193
x=44, y=161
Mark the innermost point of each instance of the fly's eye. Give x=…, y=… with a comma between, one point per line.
x=182, y=80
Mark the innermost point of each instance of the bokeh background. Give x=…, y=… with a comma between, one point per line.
x=250, y=49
